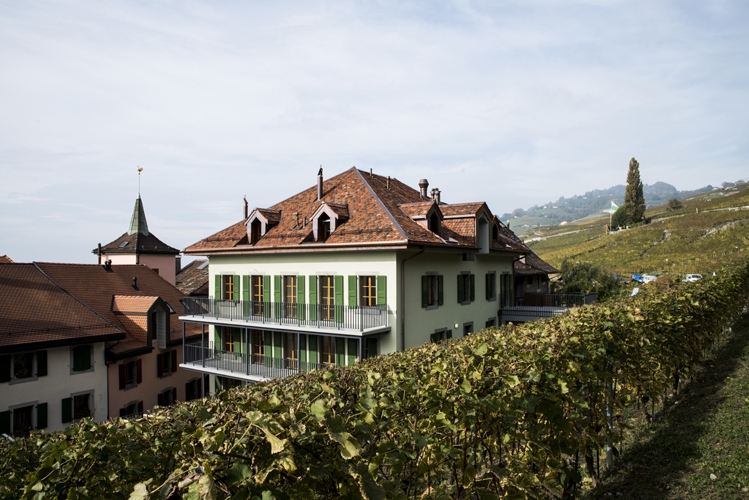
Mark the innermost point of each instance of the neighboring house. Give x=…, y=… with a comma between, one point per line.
x=531, y=276
x=139, y=246
x=192, y=280
x=52, y=366
x=142, y=367
x=357, y=266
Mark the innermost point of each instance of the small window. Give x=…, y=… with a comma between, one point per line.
x=323, y=229
x=255, y=231
x=167, y=362
x=167, y=397
x=433, y=223
x=431, y=291
x=370, y=348
x=495, y=233
x=82, y=406
x=23, y=365
x=466, y=288
x=467, y=328
x=491, y=285
x=367, y=291
x=491, y=322
x=23, y=421
x=440, y=335
x=131, y=374
x=193, y=389
x=132, y=409
x=82, y=358
x=155, y=269
x=227, y=286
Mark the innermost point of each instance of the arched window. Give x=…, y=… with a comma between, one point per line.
x=434, y=223
x=255, y=231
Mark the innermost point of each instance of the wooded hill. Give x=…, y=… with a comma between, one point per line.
x=594, y=202
x=710, y=230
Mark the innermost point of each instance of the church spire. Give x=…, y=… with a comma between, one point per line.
x=138, y=223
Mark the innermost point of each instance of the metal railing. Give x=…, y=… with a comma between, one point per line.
x=565, y=300
x=339, y=317
x=247, y=364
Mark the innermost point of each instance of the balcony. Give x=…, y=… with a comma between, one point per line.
x=243, y=366
x=281, y=316
x=531, y=306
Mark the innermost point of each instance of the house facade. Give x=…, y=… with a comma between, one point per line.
x=357, y=266
x=52, y=364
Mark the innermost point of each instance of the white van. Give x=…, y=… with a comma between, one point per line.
x=693, y=277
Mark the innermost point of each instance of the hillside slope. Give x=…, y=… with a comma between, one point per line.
x=711, y=230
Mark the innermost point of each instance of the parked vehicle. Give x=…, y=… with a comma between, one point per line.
x=647, y=278
x=692, y=278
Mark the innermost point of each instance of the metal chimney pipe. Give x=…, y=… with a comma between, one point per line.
x=99, y=253
x=436, y=196
x=246, y=207
x=423, y=185
x=319, y=184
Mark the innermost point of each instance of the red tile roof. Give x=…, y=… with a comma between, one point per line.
x=4, y=259
x=36, y=313
x=192, y=280
x=380, y=211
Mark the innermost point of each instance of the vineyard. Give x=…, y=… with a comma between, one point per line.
x=517, y=412
x=708, y=232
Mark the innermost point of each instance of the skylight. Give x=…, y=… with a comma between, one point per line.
x=124, y=244
x=203, y=265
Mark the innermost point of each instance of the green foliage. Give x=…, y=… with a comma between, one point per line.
x=634, y=200
x=501, y=413
x=620, y=218
x=674, y=204
x=585, y=278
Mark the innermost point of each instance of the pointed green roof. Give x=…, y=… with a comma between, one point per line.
x=138, y=223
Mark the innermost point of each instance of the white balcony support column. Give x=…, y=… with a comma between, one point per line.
x=247, y=351
x=202, y=343
x=360, y=342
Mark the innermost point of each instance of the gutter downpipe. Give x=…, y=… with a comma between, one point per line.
x=403, y=297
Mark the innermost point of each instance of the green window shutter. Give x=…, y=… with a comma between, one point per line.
x=338, y=298
x=340, y=352
x=300, y=297
x=424, y=291
x=41, y=363
x=461, y=292
x=433, y=337
x=353, y=351
x=449, y=334
x=238, y=337
x=67, y=410
x=266, y=288
x=313, y=298
x=277, y=349
x=5, y=422
x=5, y=369
x=246, y=295
x=81, y=358
x=312, y=346
x=277, y=295
x=267, y=348
x=473, y=287
x=303, y=353
x=487, y=286
x=352, y=292
x=217, y=289
x=41, y=416
x=489, y=323
x=440, y=290
x=382, y=290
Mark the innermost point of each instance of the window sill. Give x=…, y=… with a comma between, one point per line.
x=77, y=372
x=15, y=381
x=432, y=307
x=130, y=386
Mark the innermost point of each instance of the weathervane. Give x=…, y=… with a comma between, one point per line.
x=140, y=169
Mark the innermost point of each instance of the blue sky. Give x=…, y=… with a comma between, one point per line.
x=514, y=103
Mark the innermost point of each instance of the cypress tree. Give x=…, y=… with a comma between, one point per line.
x=634, y=201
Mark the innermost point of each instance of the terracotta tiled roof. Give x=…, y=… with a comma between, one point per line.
x=533, y=266
x=132, y=304
x=273, y=216
x=136, y=243
x=380, y=210
x=192, y=280
x=4, y=259
x=36, y=313
x=95, y=286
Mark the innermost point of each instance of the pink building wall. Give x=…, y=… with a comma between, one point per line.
x=150, y=387
x=166, y=264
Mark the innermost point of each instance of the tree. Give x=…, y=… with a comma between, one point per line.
x=674, y=204
x=585, y=278
x=634, y=200
x=619, y=219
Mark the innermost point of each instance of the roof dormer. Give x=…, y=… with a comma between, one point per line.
x=260, y=221
x=327, y=218
x=426, y=214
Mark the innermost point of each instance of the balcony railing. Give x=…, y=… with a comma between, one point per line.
x=243, y=365
x=531, y=306
x=338, y=317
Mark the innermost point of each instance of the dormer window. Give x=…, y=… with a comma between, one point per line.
x=261, y=221
x=323, y=229
x=433, y=223
x=495, y=233
x=327, y=218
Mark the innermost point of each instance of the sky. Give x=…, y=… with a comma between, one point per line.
x=515, y=103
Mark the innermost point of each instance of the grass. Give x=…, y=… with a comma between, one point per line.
x=703, y=431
